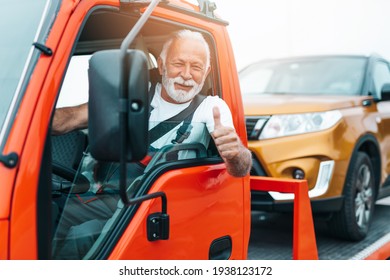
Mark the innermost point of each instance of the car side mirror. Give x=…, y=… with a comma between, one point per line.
x=106, y=105
x=385, y=92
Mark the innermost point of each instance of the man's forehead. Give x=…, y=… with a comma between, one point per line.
x=187, y=47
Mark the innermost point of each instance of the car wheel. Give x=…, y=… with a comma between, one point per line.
x=353, y=220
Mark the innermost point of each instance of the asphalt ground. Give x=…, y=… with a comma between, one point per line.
x=271, y=236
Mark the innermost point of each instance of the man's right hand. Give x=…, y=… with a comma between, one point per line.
x=225, y=138
x=237, y=158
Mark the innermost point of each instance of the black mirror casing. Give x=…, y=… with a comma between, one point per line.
x=106, y=103
x=385, y=92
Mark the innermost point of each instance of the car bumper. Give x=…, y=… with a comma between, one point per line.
x=263, y=201
x=322, y=157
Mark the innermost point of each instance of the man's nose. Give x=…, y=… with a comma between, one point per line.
x=186, y=72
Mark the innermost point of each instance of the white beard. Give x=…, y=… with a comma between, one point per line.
x=181, y=96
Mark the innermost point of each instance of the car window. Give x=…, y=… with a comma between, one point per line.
x=74, y=89
x=381, y=76
x=309, y=76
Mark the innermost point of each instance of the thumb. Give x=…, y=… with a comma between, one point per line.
x=217, y=117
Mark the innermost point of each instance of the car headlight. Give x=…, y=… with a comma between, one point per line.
x=285, y=125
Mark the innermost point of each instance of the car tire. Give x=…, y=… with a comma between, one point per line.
x=352, y=222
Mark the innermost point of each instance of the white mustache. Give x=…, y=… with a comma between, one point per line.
x=180, y=95
x=181, y=81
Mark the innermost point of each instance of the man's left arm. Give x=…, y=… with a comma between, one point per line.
x=237, y=158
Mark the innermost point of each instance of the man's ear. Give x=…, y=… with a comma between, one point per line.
x=208, y=71
x=160, y=64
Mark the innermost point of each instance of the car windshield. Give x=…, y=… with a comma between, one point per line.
x=20, y=25
x=305, y=76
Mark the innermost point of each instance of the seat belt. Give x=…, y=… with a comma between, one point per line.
x=184, y=131
x=164, y=127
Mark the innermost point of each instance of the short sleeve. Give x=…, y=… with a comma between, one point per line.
x=206, y=111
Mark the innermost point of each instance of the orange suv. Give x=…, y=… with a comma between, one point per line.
x=325, y=119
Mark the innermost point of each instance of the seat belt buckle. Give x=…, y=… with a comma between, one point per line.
x=182, y=135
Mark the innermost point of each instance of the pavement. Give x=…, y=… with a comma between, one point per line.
x=271, y=236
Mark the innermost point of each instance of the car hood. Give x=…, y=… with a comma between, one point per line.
x=268, y=104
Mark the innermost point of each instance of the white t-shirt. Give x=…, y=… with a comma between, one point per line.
x=202, y=121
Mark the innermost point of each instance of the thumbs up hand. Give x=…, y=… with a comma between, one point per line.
x=237, y=158
x=225, y=138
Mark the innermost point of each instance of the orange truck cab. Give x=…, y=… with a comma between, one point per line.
x=178, y=208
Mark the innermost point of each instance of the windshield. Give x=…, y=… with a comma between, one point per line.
x=20, y=24
x=305, y=76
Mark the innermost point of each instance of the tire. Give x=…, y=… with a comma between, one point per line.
x=352, y=222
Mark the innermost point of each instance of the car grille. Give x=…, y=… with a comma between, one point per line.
x=254, y=125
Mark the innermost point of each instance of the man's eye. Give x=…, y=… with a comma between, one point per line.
x=197, y=68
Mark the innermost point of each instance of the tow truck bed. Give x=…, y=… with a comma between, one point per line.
x=271, y=236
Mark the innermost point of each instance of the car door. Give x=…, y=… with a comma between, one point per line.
x=381, y=76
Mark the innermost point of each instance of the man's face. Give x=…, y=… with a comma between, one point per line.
x=185, y=70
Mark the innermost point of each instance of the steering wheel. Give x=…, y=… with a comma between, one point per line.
x=73, y=183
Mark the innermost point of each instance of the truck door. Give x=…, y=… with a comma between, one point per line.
x=193, y=208
x=204, y=206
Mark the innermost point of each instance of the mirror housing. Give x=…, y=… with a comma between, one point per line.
x=106, y=104
x=385, y=92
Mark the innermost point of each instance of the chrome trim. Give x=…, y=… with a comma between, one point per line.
x=322, y=185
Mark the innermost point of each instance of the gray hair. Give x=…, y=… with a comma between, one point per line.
x=186, y=34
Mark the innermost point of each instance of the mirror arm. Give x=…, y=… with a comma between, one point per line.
x=164, y=202
x=137, y=28
x=123, y=110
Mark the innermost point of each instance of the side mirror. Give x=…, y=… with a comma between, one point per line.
x=385, y=92
x=106, y=104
